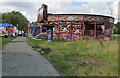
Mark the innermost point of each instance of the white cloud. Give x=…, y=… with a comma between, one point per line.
x=56, y=1
x=26, y=14
x=6, y=8
x=29, y=9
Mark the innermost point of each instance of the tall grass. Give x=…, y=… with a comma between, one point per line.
x=83, y=57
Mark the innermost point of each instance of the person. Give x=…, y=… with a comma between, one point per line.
x=22, y=33
x=49, y=35
x=16, y=32
x=6, y=34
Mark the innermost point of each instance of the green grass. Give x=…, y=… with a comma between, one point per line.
x=4, y=41
x=82, y=58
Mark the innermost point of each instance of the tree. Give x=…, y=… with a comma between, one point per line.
x=115, y=29
x=15, y=18
x=118, y=27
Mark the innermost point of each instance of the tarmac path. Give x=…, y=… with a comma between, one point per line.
x=19, y=59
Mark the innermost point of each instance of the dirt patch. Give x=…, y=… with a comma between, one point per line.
x=86, y=61
x=42, y=50
x=45, y=51
x=92, y=61
x=36, y=47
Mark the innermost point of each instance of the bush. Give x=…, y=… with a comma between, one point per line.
x=116, y=28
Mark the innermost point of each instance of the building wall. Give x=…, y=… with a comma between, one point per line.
x=66, y=26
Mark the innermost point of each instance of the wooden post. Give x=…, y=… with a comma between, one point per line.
x=70, y=30
x=58, y=30
x=83, y=29
x=94, y=30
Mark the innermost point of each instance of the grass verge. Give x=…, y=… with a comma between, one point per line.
x=4, y=41
x=82, y=58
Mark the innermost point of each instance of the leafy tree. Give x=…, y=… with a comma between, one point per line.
x=115, y=29
x=15, y=18
x=118, y=27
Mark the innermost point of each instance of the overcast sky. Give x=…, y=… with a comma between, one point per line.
x=29, y=9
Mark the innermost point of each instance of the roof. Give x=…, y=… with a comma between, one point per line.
x=83, y=14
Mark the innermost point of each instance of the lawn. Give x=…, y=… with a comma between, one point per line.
x=83, y=57
x=4, y=41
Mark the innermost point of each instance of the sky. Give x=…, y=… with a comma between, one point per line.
x=29, y=9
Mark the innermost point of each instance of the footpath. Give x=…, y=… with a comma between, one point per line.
x=19, y=59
